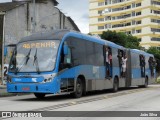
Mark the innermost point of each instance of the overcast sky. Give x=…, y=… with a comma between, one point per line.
x=76, y=9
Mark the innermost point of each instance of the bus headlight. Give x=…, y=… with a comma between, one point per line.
x=49, y=79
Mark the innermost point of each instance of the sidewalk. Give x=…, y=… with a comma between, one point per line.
x=4, y=93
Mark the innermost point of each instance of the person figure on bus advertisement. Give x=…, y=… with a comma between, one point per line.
x=124, y=64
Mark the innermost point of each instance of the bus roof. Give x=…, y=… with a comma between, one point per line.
x=94, y=39
x=59, y=34
x=141, y=52
x=47, y=35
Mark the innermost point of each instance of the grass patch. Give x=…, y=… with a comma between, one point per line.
x=158, y=80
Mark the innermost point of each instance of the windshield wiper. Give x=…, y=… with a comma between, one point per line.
x=36, y=62
x=24, y=63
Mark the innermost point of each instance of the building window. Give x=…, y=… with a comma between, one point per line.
x=138, y=4
x=121, y=8
x=133, y=5
x=138, y=22
x=133, y=31
x=107, y=26
x=155, y=3
x=117, y=25
x=100, y=27
x=128, y=24
x=100, y=3
x=133, y=22
x=121, y=17
x=138, y=31
x=107, y=2
x=155, y=30
x=117, y=1
x=138, y=13
x=100, y=12
x=133, y=13
x=128, y=32
x=100, y=19
x=107, y=18
x=155, y=39
x=155, y=11
x=155, y=20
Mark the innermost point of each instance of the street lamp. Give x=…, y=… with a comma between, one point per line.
x=34, y=12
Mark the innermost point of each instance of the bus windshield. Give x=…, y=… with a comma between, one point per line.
x=34, y=56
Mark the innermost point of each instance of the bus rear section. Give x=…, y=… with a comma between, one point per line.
x=140, y=68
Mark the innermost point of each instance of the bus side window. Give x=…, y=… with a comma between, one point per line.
x=65, y=58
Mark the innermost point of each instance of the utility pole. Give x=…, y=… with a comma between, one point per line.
x=3, y=44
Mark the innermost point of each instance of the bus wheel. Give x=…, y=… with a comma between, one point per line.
x=39, y=95
x=79, y=89
x=115, y=85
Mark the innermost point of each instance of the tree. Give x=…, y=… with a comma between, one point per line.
x=132, y=42
x=121, y=38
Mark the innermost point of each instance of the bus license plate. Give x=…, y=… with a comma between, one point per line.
x=26, y=88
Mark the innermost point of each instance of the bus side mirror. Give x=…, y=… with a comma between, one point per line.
x=65, y=49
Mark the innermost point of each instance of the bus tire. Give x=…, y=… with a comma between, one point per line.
x=115, y=85
x=79, y=89
x=39, y=95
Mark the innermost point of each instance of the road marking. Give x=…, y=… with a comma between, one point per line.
x=121, y=93
x=73, y=103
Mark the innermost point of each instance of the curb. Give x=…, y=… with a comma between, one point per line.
x=5, y=94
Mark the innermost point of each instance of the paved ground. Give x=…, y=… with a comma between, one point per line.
x=3, y=90
x=133, y=99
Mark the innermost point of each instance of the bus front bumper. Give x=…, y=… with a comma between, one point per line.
x=32, y=88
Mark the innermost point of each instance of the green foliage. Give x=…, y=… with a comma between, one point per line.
x=155, y=52
x=121, y=38
x=132, y=42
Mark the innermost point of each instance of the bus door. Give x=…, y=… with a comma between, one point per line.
x=142, y=65
x=128, y=69
x=108, y=61
x=67, y=83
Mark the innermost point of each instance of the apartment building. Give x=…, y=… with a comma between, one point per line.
x=141, y=18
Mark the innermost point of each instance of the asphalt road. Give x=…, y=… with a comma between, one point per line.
x=132, y=99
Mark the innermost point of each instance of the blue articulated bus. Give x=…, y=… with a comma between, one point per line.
x=64, y=61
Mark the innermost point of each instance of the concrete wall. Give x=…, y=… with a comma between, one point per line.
x=18, y=22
